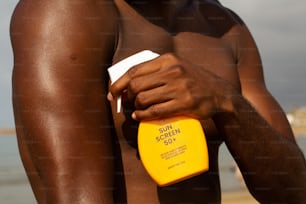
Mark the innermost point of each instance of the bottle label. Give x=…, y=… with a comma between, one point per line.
x=168, y=134
x=174, y=152
x=172, y=149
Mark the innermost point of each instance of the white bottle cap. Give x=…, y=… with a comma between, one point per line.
x=120, y=68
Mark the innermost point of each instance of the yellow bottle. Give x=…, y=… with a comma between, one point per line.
x=171, y=149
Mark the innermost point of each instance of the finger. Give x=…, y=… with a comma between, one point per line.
x=154, y=65
x=145, y=68
x=144, y=83
x=165, y=109
x=152, y=81
x=154, y=96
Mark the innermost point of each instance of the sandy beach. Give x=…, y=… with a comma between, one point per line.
x=15, y=188
x=238, y=197
x=20, y=193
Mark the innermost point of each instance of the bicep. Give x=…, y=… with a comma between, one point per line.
x=59, y=55
x=253, y=85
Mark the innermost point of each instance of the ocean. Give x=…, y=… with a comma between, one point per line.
x=14, y=186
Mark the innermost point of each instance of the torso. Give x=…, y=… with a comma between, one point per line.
x=136, y=34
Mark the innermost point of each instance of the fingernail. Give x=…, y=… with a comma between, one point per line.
x=110, y=96
x=134, y=116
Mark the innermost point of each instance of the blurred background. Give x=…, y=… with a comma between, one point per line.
x=279, y=28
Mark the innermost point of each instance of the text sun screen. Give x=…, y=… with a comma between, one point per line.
x=171, y=149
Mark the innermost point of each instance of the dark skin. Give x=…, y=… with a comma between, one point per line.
x=77, y=149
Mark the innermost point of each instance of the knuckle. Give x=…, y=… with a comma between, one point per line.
x=184, y=85
x=132, y=72
x=154, y=111
x=177, y=71
x=133, y=86
x=171, y=57
x=140, y=100
x=189, y=100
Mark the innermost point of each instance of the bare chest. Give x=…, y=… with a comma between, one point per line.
x=212, y=53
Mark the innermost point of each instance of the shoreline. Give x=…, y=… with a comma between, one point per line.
x=7, y=131
x=238, y=197
x=298, y=131
x=15, y=188
x=9, y=192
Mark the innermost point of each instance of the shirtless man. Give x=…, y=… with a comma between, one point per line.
x=76, y=149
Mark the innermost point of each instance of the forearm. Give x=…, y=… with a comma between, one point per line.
x=261, y=150
x=73, y=159
x=67, y=143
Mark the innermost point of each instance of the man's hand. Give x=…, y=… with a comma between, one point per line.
x=169, y=85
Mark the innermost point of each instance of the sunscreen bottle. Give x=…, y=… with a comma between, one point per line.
x=171, y=149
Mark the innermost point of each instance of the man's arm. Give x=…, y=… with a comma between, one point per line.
x=254, y=127
x=259, y=136
x=61, y=49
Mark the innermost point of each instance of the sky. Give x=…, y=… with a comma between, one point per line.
x=279, y=29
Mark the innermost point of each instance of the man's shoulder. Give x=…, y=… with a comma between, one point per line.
x=221, y=17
